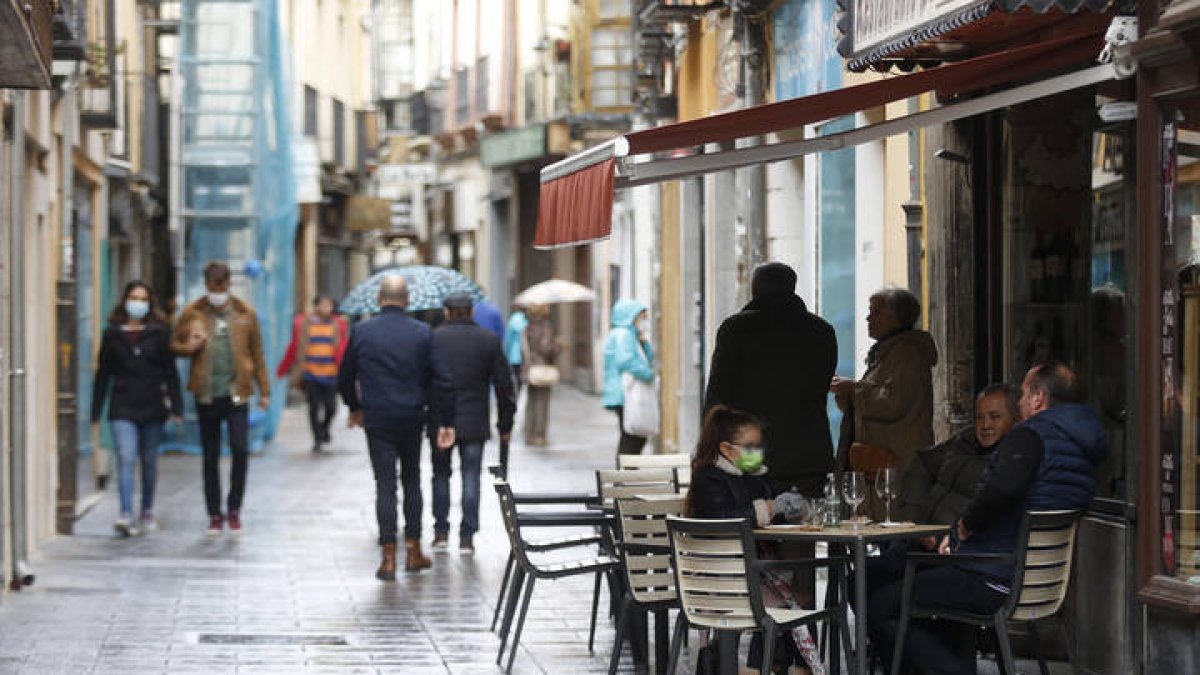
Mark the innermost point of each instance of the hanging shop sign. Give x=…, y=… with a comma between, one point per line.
x=306, y=167
x=397, y=181
x=884, y=26
x=368, y=213
x=532, y=142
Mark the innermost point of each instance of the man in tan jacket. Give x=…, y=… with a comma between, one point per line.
x=220, y=334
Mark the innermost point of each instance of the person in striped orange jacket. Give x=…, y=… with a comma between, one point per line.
x=312, y=359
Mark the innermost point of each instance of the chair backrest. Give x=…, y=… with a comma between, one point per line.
x=624, y=483
x=712, y=560
x=508, y=513
x=645, y=548
x=1044, y=566
x=680, y=461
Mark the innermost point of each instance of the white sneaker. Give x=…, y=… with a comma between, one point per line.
x=125, y=527
x=149, y=524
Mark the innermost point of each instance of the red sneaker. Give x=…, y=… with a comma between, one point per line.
x=235, y=523
x=215, y=525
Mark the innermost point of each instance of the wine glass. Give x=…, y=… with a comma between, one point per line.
x=885, y=488
x=854, y=491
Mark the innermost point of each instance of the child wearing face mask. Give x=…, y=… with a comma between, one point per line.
x=729, y=481
x=136, y=359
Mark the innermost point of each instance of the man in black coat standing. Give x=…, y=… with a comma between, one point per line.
x=774, y=360
x=476, y=362
x=394, y=381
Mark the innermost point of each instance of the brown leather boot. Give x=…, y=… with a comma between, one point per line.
x=387, y=566
x=415, y=560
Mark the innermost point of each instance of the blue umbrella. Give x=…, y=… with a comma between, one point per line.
x=428, y=286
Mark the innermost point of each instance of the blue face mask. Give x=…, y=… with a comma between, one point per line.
x=137, y=309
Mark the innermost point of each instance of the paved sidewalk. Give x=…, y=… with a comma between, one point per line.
x=300, y=581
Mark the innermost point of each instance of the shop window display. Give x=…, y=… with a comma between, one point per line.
x=1181, y=482
x=1068, y=209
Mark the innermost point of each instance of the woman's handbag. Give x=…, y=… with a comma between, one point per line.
x=543, y=376
x=869, y=458
x=640, y=416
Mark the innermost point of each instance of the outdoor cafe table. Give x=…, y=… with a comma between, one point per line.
x=857, y=539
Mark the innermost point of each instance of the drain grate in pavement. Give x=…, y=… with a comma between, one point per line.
x=265, y=639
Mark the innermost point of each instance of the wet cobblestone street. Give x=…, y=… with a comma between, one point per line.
x=296, y=592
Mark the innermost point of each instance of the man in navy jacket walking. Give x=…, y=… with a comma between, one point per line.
x=394, y=381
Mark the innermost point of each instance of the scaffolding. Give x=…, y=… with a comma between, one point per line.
x=233, y=193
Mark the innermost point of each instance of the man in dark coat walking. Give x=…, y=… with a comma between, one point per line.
x=774, y=360
x=476, y=362
x=394, y=381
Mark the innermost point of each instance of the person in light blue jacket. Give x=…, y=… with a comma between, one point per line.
x=513, y=331
x=626, y=351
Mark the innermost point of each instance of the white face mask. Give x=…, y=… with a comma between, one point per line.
x=642, y=324
x=137, y=309
x=217, y=299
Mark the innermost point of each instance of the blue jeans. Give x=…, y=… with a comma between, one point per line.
x=137, y=442
x=401, y=442
x=470, y=456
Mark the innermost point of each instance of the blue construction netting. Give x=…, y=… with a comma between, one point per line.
x=238, y=189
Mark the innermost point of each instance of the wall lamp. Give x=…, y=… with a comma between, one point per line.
x=951, y=156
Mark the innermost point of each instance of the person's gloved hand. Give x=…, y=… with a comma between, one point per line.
x=793, y=507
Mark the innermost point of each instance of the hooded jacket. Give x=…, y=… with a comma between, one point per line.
x=625, y=353
x=774, y=360
x=892, y=404
x=517, y=323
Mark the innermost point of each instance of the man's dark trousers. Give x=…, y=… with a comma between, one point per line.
x=322, y=406
x=400, y=441
x=947, y=648
x=236, y=417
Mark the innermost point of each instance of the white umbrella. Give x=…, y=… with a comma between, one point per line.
x=554, y=291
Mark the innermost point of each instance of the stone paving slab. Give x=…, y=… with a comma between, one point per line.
x=304, y=567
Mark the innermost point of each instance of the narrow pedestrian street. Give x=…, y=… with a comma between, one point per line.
x=296, y=593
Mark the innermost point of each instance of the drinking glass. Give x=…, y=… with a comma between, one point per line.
x=854, y=491
x=885, y=488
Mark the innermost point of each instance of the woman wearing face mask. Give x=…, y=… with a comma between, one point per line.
x=627, y=350
x=136, y=359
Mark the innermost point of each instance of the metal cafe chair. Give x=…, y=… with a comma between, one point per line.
x=717, y=572
x=625, y=483
x=646, y=562
x=528, y=572
x=681, y=462
x=542, y=544
x=1043, y=570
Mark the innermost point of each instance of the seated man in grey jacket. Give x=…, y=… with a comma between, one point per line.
x=942, y=479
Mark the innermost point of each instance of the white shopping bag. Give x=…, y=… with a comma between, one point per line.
x=641, y=416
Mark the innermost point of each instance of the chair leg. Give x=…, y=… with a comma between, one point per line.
x=898, y=648
x=508, y=570
x=623, y=613
x=681, y=633
x=595, y=608
x=1037, y=647
x=662, y=621
x=516, y=641
x=1005, y=647
x=768, y=640
x=516, y=586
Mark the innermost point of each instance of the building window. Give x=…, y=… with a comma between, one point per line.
x=481, y=85
x=1180, y=470
x=462, y=96
x=310, y=111
x=612, y=68
x=339, y=133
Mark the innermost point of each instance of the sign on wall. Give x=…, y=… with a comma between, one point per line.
x=396, y=181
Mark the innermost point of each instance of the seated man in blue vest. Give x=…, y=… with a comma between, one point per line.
x=1045, y=463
